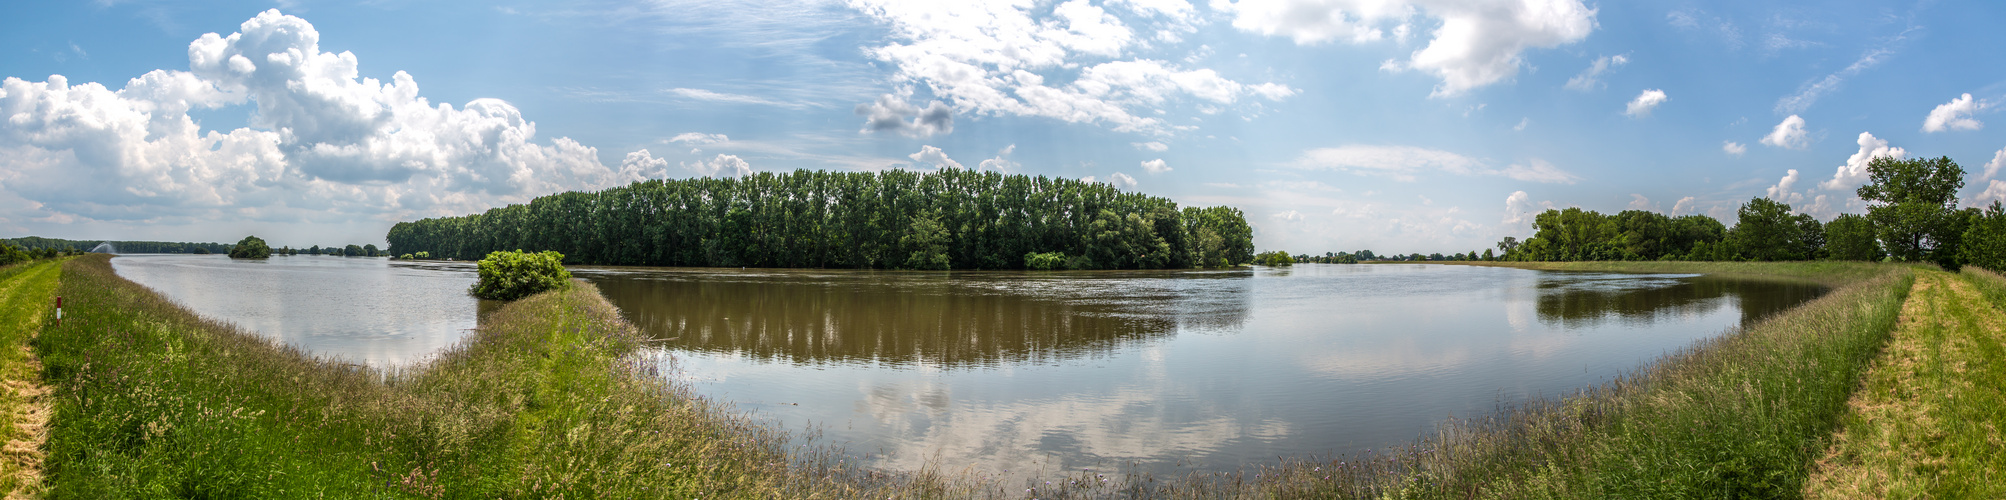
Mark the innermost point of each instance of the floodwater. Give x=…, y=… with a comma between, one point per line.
x=357, y=309
x=1018, y=374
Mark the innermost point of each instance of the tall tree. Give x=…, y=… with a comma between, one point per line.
x=1851, y=237
x=1913, y=203
x=1765, y=230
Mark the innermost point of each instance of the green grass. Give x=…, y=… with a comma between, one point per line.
x=549, y=399
x=27, y=300
x=1927, y=421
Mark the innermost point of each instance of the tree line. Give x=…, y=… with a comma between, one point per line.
x=897, y=219
x=37, y=242
x=1912, y=216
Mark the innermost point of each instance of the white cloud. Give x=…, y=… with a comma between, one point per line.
x=645, y=165
x=321, y=140
x=1854, y=172
x=1998, y=160
x=1995, y=190
x=1789, y=134
x=1733, y=148
x=1156, y=166
x=995, y=58
x=709, y=96
x=1591, y=78
x=1001, y=163
x=1781, y=192
x=1639, y=202
x=1684, y=206
x=1403, y=162
x=698, y=138
x=934, y=156
x=1519, y=208
x=1537, y=170
x=1645, y=102
x=1955, y=115
x=893, y=114
x=1288, y=215
x=1522, y=123
x=1152, y=146
x=1812, y=90
x=1121, y=180
x=721, y=166
x=1477, y=43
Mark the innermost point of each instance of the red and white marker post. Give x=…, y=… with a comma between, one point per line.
x=59, y=311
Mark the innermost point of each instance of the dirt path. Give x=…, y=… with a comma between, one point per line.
x=26, y=299
x=1926, y=420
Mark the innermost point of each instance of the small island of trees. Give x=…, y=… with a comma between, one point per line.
x=949, y=219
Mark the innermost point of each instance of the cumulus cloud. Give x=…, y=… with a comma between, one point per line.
x=721, y=166
x=1645, y=102
x=1684, y=206
x=321, y=140
x=1520, y=209
x=1854, y=172
x=1781, y=192
x=1789, y=134
x=645, y=165
x=1998, y=160
x=1639, y=202
x=1995, y=191
x=1403, y=162
x=1477, y=43
x=1001, y=163
x=934, y=156
x=1156, y=166
x=893, y=114
x=1733, y=148
x=996, y=58
x=1591, y=78
x=1121, y=180
x=1955, y=115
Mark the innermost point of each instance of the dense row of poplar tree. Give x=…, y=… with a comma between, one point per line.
x=948, y=219
x=37, y=242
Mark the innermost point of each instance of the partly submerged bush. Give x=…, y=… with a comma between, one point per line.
x=1274, y=258
x=518, y=274
x=251, y=248
x=1047, y=261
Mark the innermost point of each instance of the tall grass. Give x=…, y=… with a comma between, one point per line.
x=26, y=301
x=551, y=398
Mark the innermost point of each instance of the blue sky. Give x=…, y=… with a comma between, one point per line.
x=1337, y=125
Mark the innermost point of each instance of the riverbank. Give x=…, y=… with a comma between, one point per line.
x=551, y=398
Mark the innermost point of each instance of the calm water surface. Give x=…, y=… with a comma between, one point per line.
x=1168, y=372
x=1164, y=371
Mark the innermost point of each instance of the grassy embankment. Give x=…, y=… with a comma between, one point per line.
x=549, y=399
x=1927, y=420
x=26, y=301
x=1744, y=414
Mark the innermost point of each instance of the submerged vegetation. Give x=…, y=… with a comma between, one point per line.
x=949, y=219
x=251, y=247
x=517, y=274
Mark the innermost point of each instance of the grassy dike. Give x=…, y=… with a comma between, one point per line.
x=27, y=296
x=1746, y=414
x=548, y=400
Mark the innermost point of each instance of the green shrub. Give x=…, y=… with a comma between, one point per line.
x=518, y=274
x=404, y=257
x=1047, y=261
x=251, y=248
x=1274, y=258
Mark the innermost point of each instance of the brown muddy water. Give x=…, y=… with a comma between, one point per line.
x=1023, y=373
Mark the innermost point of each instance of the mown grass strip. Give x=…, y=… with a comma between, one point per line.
x=1927, y=420
x=26, y=301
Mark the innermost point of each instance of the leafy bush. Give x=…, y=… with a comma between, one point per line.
x=251, y=248
x=404, y=257
x=1274, y=258
x=1047, y=261
x=518, y=274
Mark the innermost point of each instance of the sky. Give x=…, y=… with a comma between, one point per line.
x=1335, y=125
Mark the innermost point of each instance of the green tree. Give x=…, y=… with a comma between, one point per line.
x=1274, y=258
x=1046, y=261
x=516, y=274
x=1984, y=240
x=1766, y=231
x=351, y=251
x=369, y=250
x=1851, y=237
x=1912, y=204
x=925, y=243
x=251, y=248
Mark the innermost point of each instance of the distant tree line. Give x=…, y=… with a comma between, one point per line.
x=36, y=243
x=11, y=254
x=949, y=219
x=1912, y=216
